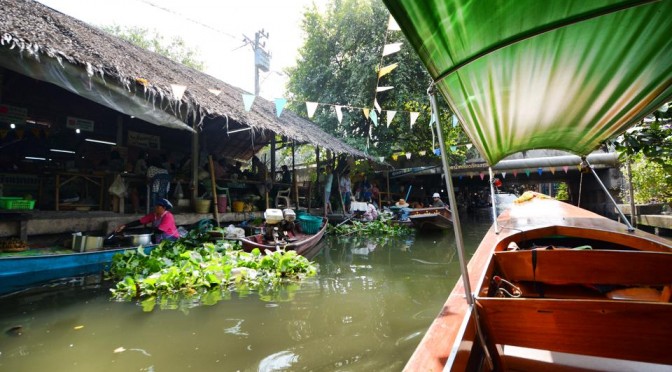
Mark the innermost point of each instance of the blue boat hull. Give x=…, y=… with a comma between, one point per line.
x=17, y=273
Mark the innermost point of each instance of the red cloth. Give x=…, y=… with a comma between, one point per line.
x=166, y=223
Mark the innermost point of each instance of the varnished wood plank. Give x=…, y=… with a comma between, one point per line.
x=637, y=331
x=563, y=266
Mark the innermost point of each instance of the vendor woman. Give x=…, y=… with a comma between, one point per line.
x=163, y=222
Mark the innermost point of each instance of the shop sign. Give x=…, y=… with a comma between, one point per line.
x=143, y=140
x=78, y=123
x=12, y=114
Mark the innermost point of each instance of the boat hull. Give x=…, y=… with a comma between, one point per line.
x=304, y=244
x=18, y=273
x=435, y=218
x=573, y=314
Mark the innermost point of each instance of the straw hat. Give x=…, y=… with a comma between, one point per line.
x=401, y=203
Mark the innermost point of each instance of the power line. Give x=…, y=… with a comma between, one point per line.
x=189, y=19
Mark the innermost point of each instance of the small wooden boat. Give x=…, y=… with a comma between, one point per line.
x=433, y=218
x=560, y=282
x=35, y=266
x=298, y=241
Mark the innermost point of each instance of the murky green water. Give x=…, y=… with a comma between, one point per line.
x=366, y=310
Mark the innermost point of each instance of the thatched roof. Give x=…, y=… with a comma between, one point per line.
x=31, y=33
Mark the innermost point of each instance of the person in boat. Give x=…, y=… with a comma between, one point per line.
x=437, y=200
x=371, y=212
x=162, y=220
x=404, y=209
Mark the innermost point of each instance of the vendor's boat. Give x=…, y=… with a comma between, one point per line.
x=31, y=267
x=555, y=287
x=281, y=232
x=433, y=218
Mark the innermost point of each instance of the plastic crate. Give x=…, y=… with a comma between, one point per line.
x=9, y=202
x=309, y=224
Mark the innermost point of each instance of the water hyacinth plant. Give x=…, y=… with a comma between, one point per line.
x=203, y=272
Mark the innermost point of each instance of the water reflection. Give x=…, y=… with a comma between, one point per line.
x=366, y=310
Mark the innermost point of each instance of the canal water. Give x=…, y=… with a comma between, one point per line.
x=366, y=310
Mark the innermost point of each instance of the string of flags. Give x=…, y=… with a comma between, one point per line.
x=540, y=171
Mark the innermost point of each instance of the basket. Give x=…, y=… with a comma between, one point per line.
x=11, y=202
x=309, y=224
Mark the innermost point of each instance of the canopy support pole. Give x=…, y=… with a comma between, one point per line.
x=633, y=210
x=584, y=163
x=493, y=200
x=456, y=225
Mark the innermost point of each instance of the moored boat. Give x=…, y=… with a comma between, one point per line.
x=282, y=233
x=433, y=218
x=36, y=266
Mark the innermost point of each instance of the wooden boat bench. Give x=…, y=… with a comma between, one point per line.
x=591, y=268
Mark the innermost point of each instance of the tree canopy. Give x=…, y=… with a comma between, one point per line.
x=338, y=64
x=175, y=49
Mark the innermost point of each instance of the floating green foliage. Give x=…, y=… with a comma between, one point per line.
x=381, y=226
x=206, y=272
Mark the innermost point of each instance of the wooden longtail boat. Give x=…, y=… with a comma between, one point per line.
x=536, y=293
x=433, y=218
x=300, y=242
x=26, y=269
x=522, y=75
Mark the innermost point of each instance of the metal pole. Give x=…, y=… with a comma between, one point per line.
x=493, y=200
x=451, y=198
x=633, y=211
x=457, y=227
x=630, y=228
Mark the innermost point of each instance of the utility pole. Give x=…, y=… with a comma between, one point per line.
x=262, y=58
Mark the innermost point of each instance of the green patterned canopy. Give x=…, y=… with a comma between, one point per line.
x=556, y=74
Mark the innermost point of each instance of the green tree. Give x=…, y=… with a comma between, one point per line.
x=338, y=65
x=175, y=49
x=651, y=183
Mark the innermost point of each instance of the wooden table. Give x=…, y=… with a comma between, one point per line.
x=63, y=179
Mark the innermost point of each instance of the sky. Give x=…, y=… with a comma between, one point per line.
x=215, y=28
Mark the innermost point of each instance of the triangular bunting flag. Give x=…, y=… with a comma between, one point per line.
x=553, y=170
x=279, y=105
x=515, y=174
x=178, y=90
x=527, y=172
x=565, y=168
x=387, y=69
x=391, y=48
x=482, y=176
x=540, y=171
x=414, y=117
x=376, y=105
x=311, y=107
x=374, y=118
x=469, y=145
x=455, y=122
x=382, y=89
x=503, y=174
x=471, y=174
x=339, y=113
x=248, y=99
x=392, y=24
x=390, y=116
x=459, y=177
x=453, y=148
x=437, y=151
x=366, y=112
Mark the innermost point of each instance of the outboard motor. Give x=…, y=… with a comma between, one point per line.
x=288, y=223
x=273, y=219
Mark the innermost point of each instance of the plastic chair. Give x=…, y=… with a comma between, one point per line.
x=283, y=195
x=158, y=188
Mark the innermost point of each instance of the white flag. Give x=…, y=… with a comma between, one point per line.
x=311, y=107
x=376, y=105
x=414, y=117
x=339, y=114
x=178, y=90
x=391, y=48
x=382, y=89
x=390, y=116
x=392, y=25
